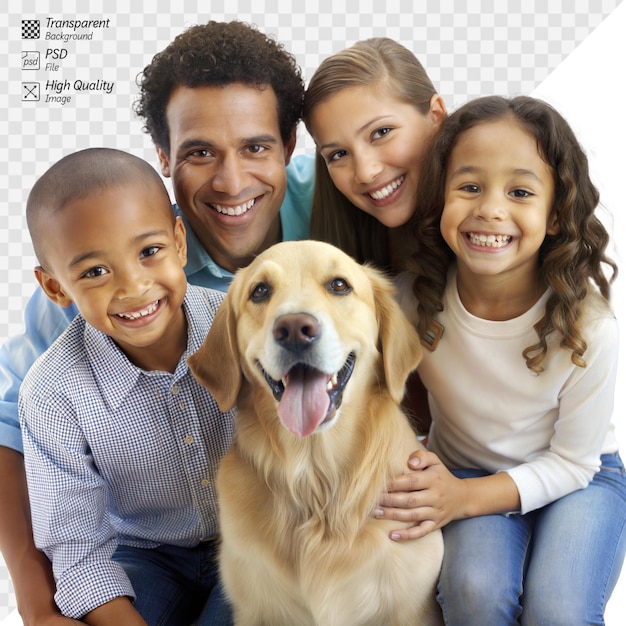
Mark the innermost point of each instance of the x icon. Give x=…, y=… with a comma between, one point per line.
x=31, y=91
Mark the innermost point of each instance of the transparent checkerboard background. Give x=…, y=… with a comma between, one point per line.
x=469, y=47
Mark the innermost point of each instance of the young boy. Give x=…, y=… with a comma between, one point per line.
x=242, y=155
x=121, y=443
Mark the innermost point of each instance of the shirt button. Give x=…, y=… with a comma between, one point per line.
x=204, y=482
x=181, y=404
x=175, y=390
x=189, y=439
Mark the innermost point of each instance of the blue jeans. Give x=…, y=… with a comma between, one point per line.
x=556, y=565
x=176, y=586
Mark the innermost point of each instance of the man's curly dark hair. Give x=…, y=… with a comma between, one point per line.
x=217, y=54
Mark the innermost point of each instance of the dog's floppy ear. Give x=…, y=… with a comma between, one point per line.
x=216, y=363
x=399, y=340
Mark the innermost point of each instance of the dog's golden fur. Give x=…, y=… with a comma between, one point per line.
x=299, y=543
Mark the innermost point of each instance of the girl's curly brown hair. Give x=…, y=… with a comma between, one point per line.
x=570, y=262
x=217, y=54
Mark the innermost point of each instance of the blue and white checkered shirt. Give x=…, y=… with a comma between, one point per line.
x=115, y=454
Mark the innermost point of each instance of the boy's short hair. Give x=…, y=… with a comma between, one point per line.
x=78, y=175
x=218, y=54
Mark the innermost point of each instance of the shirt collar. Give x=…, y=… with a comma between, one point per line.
x=197, y=257
x=117, y=376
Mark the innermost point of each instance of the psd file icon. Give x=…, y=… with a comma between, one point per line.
x=31, y=60
x=31, y=29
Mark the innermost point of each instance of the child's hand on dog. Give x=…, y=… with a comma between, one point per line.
x=431, y=496
x=428, y=495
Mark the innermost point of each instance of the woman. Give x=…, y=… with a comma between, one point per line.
x=373, y=113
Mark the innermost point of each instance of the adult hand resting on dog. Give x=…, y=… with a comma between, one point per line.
x=431, y=496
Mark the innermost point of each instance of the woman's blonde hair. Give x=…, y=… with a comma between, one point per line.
x=378, y=62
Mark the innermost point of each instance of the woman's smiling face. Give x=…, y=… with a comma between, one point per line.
x=374, y=145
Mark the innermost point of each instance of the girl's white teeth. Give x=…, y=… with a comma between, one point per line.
x=240, y=209
x=489, y=241
x=381, y=194
x=139, y=314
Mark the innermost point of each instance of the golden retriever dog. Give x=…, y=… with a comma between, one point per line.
x=314, y=351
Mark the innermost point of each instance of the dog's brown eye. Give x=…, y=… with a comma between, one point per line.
x=339, y=286
x=260, y=292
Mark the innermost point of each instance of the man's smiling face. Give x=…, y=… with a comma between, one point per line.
x=227, y=163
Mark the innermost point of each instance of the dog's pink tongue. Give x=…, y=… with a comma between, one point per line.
x=305, y=401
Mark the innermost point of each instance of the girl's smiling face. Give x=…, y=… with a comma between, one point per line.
x=498, y=200
x=374, y=145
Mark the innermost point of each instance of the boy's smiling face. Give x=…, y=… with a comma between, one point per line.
x=119, y=255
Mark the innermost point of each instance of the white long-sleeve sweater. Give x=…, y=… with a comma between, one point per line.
x=490, y=411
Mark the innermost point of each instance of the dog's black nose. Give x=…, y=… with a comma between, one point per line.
x=296, y=331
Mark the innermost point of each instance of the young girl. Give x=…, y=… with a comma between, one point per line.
x=373, y=112
x=507, y=286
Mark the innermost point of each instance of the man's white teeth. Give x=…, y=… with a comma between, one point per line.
x=386, y=191
x=489, y=241
x=139, y=314
x=332, y=383
x=240, y=209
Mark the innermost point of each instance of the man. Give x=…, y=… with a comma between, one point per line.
x=221, y=104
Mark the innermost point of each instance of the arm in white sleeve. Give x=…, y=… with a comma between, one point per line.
x=580, y=431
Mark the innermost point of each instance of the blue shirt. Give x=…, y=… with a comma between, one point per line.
x=115, y=454
x=45, y=321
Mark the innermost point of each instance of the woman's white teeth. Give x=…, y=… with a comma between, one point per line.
x=489, y=241
x=139, y=314
x=240, y=209
x=381, y=194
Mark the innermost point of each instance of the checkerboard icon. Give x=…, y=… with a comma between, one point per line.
x=30, y=29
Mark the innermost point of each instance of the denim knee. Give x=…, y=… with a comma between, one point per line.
x=470, y=600
x=557, y=609
x=480, y=583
